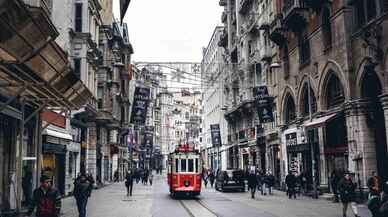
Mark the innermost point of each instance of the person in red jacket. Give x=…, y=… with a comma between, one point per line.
x=46, y=200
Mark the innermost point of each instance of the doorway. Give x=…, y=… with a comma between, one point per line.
x=371, y=89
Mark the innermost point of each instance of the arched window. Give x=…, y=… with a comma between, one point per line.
x=305, y=101
x=289, y=113
x=326, y=28
x=335, y=93
x=371, y=86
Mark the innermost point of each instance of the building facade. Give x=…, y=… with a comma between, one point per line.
x=315, y=58
x=213, y=76
x=329, y=51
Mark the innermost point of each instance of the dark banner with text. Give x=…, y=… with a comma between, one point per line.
x=140, y=104
x=215, y=134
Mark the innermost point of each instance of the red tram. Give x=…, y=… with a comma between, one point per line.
x=184, y=171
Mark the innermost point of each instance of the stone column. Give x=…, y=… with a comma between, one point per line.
x=361, y=140
x=91, y=149
x=384, y=103
x=322, y=159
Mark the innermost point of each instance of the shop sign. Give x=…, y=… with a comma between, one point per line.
x=291, y=139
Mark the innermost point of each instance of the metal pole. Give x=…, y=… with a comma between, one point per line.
x=19, y=160
x=315, y=193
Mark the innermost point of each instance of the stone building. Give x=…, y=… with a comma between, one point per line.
x=37, y=78
x=332, y=100
x=112, y=119
x=212, y=77
x=250, y=65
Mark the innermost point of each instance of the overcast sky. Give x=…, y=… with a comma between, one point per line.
x=170, y=30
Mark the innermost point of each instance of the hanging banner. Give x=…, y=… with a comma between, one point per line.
x=140, y=105
x=148, y=136
x=264, y=104
x=130, y=141
x=215, y=134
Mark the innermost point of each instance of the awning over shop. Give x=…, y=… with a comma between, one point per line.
x=32, y=62
x=319, y=122
x=57, y=134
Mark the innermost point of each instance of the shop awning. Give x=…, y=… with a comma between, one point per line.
x=32, y=63
x=319, y=122
x=57, y=134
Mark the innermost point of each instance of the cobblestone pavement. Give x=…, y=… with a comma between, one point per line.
x=154, y=201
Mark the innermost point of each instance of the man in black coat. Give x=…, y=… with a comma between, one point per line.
x=45, y=199
x=252, y=183
x=83, y=186
x=291, y=184
x=129, y=182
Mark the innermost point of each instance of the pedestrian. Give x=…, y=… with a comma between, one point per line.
x=145, y=177
x=270, y=182
x=150, y=177
x=252, y=183
x=116, y=176
x=83, y=186
x=211, y=178
x=346, y=189
x=205, y=177
x=291, y=184
x=129, y=182
x=383, y=211
x=374, y=184
x=46, y=199
x=260, y=182
x=334, y=180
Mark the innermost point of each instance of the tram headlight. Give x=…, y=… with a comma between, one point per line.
x=186, y=183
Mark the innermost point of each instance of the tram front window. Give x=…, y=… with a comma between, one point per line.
x=183, y=165
x=196, y=165
x=176, y=165
x=191, y=165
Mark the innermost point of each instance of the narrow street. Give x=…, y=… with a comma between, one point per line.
x=154, y=201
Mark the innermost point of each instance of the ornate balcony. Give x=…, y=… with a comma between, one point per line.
x=295, y=14
x=277, y=33
x=244, y=6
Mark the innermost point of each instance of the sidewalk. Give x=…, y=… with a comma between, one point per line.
x=279, y=204
x=112, y=201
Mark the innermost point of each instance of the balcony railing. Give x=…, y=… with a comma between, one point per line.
x=277, y=32
x=293, y=14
